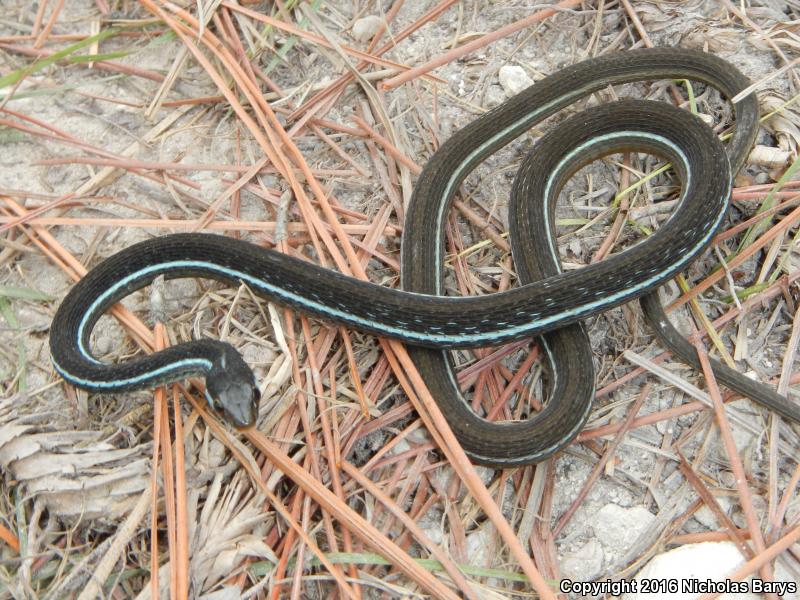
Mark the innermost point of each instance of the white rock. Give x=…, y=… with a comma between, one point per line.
x=617, y=527
x=708, y=560
x=366, y=27
x=705, y=517
x=400, y=447
x=514, y=79
x=583, y=564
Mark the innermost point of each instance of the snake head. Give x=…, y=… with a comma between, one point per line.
x=232, y=391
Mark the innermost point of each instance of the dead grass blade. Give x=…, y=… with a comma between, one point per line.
x=438, y=427
x=355, y=523
x=448, y=565
x=316, y=39
x=711, y=502
x=778, y=229
x=105, y=567
x=241, y=454
x=181, y=550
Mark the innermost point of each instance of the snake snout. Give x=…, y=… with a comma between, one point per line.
x=239, y=403
x=232, y=391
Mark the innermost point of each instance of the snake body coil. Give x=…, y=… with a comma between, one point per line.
x=549, y=303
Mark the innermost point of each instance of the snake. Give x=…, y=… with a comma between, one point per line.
x=549, y=304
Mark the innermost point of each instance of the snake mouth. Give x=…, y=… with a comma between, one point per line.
x=244, y=428
x=241, y=417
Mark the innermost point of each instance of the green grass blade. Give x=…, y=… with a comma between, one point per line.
x=13, y=323
x=770, y=201
x=20, y=74
x=86, y=58
x=20, y=293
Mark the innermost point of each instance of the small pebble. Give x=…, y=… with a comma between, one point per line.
x=705, y=517
x=583, y=564
x=514, y=79
x=365, y=28
x=617, y=528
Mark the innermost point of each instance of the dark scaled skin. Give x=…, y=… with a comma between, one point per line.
x=549, y=300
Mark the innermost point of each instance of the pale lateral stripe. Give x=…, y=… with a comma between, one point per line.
x=476, y=338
